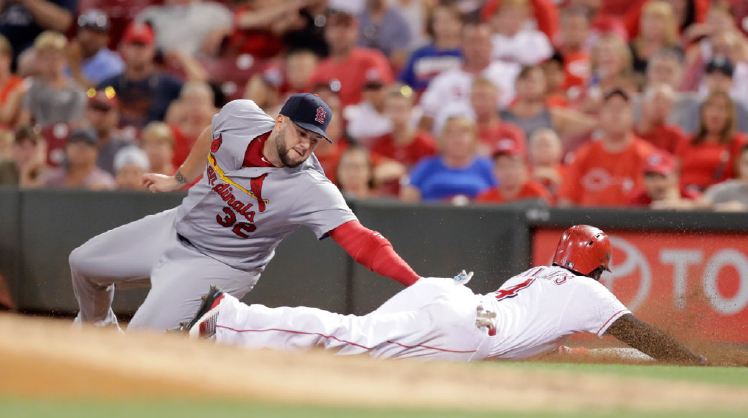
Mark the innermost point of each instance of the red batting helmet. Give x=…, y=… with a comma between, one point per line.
x=583, y=248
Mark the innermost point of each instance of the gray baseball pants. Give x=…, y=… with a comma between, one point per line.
x=142, y=253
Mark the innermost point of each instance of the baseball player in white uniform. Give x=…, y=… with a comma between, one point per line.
x=441, y=319
x=260, y=182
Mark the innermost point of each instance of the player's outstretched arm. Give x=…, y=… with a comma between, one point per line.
x=651, y=341
x=373, y=251
x=193, y=166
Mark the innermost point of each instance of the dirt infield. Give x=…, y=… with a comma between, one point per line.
x=44, y=358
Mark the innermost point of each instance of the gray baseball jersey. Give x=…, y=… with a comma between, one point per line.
x=238, y=215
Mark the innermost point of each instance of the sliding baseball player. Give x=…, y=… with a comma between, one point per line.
x=441, y=319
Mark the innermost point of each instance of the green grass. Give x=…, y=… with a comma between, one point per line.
x=172, y=409
x=731, y=376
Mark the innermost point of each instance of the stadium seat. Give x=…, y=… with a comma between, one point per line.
x=56, y=136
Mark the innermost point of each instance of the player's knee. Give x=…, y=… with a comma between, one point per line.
x=79, y=259
x=76, y=259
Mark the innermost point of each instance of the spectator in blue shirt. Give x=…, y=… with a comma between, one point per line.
x=444, y=53
x=144, y=93
x=458, y=172
x=89, y=59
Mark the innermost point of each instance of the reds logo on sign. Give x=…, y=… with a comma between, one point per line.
x=320, y=115
x=216, y=144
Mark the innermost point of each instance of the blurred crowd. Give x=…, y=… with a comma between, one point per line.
x=618, y=103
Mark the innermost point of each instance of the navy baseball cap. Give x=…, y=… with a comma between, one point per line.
x=309, y=112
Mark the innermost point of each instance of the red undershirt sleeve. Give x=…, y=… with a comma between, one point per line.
x=373, y=251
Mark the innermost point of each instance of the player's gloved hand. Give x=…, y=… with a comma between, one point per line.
x=463, y=278
x=160, y=183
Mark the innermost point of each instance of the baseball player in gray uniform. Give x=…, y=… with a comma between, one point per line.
x=260, y=182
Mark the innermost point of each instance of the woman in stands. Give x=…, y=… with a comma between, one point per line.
x=657, y=29
x=458, y=172
x=355, y=173
x=709, y=157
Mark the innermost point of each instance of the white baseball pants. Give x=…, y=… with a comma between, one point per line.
x=147, y=252
x=434, y=319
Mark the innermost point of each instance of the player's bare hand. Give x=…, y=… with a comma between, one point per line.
x=159, y=183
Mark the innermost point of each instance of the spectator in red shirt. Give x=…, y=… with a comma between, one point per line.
x=404, y=144
x=349, y=66
x=514, y=183
x=491, y=129
x=355, y=173
x=605, y=172
x=653, y=126
x=188, y=116
x=571, y=42
x=709, y=157
x=546, y=152
x=10, y=94
x=257, y=30
x=555, y=76
x=661, y=186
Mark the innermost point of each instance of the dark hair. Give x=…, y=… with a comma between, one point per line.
x=727, y=131
x=454, y=10
x=354, y=148
x=28, y=132
x=526, y=70
x=556, y=57
x=690, y=15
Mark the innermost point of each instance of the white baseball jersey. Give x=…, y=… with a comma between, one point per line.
x=536, y=310
x=435, y=319
x=238, y=215
x=454, y=86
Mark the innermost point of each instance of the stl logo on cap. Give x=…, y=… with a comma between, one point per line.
x=320, y=115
